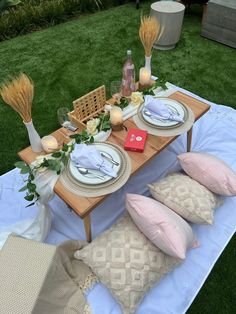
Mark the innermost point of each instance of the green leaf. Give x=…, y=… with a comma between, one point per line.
x=84, y=132
x=56, y=154
x=31, y=177
x=31, y=187
x=52, y=164
x=105, y=124
x=44, y=163
x=83, y=137
x=78, y=140
x=123, y=103
x=20, y=164
x=29, y=197
x=58, y=167
x=106, y=128
x=107, y=117
x=24, y=188
x=91, y=139
x=25, y=169
x=65, y=148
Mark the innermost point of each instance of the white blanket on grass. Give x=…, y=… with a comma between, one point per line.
x=176, y=291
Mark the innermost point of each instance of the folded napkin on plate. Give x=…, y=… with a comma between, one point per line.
x=87, y=156
x=158, y=109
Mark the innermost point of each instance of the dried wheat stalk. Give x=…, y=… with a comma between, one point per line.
x=19, y=95
x=150, y=30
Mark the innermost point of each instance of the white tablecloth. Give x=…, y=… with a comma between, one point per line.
x=213, y=133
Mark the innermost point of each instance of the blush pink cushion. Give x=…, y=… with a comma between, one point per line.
x=210, y=171
x=168, y=231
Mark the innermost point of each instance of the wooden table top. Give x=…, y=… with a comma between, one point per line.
x=154, y=145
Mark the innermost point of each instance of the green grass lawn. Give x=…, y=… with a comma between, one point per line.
x=70, y=59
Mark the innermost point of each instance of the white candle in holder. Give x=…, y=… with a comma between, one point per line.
x=116, y=115
x=144, y=76
x=116, y=118
x=49, y=143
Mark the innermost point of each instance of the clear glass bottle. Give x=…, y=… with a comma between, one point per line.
x=128, y=79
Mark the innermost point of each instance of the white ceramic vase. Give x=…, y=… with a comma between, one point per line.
x=34, y=138
x=148, y=63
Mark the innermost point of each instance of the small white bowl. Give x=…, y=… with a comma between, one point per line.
x=102, y=136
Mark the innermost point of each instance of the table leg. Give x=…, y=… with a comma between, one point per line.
x=87, y=228
x=189, y=139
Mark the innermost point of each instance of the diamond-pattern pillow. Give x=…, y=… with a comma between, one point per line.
x=126, y=262
x=186, y=197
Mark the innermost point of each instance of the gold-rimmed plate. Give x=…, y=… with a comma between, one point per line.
x=174, y=105
x=96, y=177
x=92, y=190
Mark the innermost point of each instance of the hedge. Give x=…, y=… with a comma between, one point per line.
x=31, y=15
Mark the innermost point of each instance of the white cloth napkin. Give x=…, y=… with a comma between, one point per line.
x=87, y=156
x=159, y=110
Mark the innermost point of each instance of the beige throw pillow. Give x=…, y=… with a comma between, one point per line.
x=126, y=262
x=186, y=197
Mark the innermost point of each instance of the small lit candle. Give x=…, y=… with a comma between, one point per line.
x=144, y=76
x=116, y=118
x=49, y=143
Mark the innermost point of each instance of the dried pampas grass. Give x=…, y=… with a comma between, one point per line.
x=19, y=95
x=150, y=30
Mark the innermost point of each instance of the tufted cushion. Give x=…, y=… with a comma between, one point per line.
x=210, y=171
x=167, y=230
x=126, y=262
x=186, y=197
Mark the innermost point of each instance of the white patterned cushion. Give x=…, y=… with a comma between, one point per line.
x=126, y=262
x=186, y=197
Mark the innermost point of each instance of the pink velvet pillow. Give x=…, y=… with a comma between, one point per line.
x=167, y=230
x=210, y=171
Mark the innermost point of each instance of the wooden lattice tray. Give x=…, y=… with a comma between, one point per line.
x=88, y=106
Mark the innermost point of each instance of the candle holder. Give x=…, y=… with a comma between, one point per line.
x=117, y=127
x=144, y=78
x=49, y=143
x=142, y=87
x=116, y=118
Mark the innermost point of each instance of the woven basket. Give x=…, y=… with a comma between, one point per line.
x=88, y=106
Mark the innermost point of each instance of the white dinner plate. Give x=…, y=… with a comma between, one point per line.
x=91, y=177
x=173, y=105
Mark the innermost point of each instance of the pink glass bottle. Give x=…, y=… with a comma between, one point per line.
x=128, y=79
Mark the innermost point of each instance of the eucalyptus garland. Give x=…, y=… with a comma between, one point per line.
x=55, y=161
